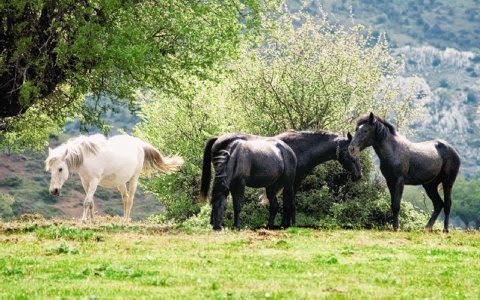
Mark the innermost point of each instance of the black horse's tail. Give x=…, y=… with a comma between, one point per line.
x=206, y=169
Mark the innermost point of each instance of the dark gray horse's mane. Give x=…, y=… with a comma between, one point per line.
x=318, y=132
x=366, y=119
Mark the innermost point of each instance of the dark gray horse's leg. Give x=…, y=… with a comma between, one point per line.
x=238, y=190
x=273, y=206
x=447, y=196
x=219, y=201
x=396, y=191
x=289, y=209
x=432, y=192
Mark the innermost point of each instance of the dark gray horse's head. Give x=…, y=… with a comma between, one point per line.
x=364, y=135
x=349, y=162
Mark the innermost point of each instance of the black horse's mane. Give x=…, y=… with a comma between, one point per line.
x=366, y=119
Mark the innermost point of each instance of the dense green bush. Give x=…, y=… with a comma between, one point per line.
x=328, y=199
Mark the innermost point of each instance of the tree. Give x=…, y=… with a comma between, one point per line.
x=318, y=76
x=53, y=53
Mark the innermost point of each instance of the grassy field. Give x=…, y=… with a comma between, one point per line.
x=57, y=260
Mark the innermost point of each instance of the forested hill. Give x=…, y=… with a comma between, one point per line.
x=440, y=42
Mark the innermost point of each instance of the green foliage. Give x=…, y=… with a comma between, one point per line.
x=316, y=76
x=63, y=248
x=68, y=233
x=182, y=125
x=466, y=201
x=56, y=52
x=6, y=202
x=328, y=199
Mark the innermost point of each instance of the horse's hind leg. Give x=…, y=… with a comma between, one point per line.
x=238, y=191
x=447, y=196
x=438, y=205
x=219, y=204
x=132, y=187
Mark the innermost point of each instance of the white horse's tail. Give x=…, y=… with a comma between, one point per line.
x=154, y=160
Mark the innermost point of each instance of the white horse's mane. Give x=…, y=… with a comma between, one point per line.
x=74, y=149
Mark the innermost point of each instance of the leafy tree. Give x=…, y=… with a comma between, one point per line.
x=53, y=53
x=317, y=76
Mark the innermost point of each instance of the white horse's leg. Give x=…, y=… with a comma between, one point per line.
x=123, y=191
x=132, y=187
x=88, y=205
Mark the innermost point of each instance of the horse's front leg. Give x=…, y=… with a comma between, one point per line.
x=88, y=205
x=238, y=191
x=273, y=207
x=289, y=208
x=395, y=187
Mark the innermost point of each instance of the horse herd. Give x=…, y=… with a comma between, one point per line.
x=278, y=164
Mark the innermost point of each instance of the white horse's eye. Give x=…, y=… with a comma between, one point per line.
x=60, y=170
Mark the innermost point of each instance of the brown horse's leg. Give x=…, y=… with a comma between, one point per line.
x=432, y=192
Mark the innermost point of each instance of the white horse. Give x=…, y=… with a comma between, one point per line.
x=110, y=163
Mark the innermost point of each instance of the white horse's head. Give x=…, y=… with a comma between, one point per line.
x=56, y=163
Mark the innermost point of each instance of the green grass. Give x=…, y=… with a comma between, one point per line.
x=143, y=261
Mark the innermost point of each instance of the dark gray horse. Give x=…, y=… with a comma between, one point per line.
x=429, y=163
x=310, y=148
x=268, y=163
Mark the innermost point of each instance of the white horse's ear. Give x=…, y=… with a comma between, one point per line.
x=49, y=151
x=371, y=118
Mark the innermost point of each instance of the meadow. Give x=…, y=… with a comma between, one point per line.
x=52, y=259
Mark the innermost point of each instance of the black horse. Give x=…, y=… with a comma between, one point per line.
x=429, y=163
x=310, y=148
x=268, y=163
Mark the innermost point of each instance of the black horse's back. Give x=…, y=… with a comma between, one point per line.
x=215, y=146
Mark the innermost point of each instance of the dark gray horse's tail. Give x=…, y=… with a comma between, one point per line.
x=206, y=169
